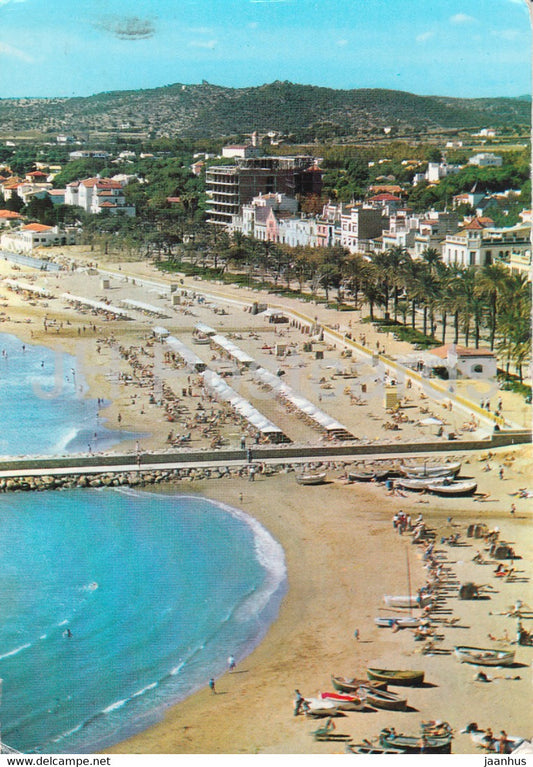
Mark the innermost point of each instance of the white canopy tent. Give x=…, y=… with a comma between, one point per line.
x=206, y=330
x=149, y=308
x=232, y=349
x=189, y=357
x=325, y=421
x=28, y=287
x=97, y=305
x=215, y=384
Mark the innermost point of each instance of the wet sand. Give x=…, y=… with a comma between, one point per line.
x=342, y=556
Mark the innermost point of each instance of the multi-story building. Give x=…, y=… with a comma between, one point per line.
x=477, y=246
x=96, y=195
x=486, y=160
x=361, y=225
x=229, y=187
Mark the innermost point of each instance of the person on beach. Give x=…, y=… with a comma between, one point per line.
x=231, y=663
x=356, y=634
x=513, y=509
x=298, y=702
x=212, y=686
x=500, y=472
x=502, y=742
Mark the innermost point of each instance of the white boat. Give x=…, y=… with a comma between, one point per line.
x=311, y=478
x=407, y=601
x=402, y=621
x=432, y=470
x=344, y=701
x=320, y=707
x=481, y=656
x=464, y=487
x=419, y=484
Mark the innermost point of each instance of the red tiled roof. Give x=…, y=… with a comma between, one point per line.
x=173, y=199
x=385, y=197
x=37, y=173
x=36, y=228
x=461, y=351
x=8, y=214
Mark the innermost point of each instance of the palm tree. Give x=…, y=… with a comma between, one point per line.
x=354, y=267
x=490, y=283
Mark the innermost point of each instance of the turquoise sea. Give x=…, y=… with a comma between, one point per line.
x=156, y=590
x=44, y=406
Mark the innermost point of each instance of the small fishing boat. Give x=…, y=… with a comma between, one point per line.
x=432, y=470
x=408, y=602
x=344, y=701
x=403, y=678
x=384, y=699
x=311, y=478
x=420, y=484
x=412, y=744
x=376, y=474
x=342, y=684
x=481, y=656
x=402, y=621
x=463, y=487
x=482, y=739
x=319, y=707
x=370, y=748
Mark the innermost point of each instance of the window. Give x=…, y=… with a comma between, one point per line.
x=472, y=261
x=477, y=368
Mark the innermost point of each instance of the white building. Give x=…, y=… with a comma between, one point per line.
x=96, y=195
x=486, y=160
x=32, y=236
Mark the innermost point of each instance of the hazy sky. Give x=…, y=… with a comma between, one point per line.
x=444, y=47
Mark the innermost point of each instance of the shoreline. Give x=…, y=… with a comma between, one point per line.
x=341, y=556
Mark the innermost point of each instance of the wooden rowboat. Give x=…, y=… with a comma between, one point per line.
x=465, y=487
x=387, y=700
x=370, y=748
x=411, y=744
x=402, y=621
x=481, y=656
x=405, y=678
x=420, y=484
x=342, y=684
x=407, y=601
x=311, y=478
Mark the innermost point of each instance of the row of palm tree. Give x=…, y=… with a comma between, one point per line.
x=487, y=305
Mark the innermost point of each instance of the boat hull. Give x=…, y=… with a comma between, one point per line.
x=407, y=601
x=403, y=622
x=352, y=685
x=411, y=745
x=311, y=479
x=386, y=700
x=454, y=489
x=441, y=470
x=480, y=656
x=405, y=678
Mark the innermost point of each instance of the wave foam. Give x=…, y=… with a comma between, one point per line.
x=15, y=651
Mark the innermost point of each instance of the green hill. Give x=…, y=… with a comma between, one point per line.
x=207, y=110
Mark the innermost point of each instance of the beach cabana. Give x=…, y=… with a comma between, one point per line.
x=160, y=333
x=189, y=357
x=220, y=389
x=205, y=330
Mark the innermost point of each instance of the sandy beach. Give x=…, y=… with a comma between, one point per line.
x=342, y=553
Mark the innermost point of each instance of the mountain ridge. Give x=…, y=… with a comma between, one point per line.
x=208, y=111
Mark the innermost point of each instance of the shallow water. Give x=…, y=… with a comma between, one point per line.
x=44, y=406
x=156, y=590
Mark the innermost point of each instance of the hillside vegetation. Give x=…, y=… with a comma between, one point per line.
x=303, y=112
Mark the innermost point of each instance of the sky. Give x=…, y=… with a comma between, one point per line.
x=468, y=48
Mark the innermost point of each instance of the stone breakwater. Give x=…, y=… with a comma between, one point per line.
x=153, y=477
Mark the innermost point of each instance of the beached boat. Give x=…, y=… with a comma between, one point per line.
x=344, y=701
x=432, y=470
x=420, y=484
x=368, y=475
x=342, y=684
x=319, y=707
x=370, y=748
x=463, y=487
x=481, y=656
x=311, y=478
x=413, y=744
x=402, y=621
x=390, y=701
x=407, y=602
x=403, y=678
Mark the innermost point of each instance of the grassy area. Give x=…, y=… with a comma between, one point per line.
x=404, y=332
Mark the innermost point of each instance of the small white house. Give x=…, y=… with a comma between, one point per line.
x=464, y=362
